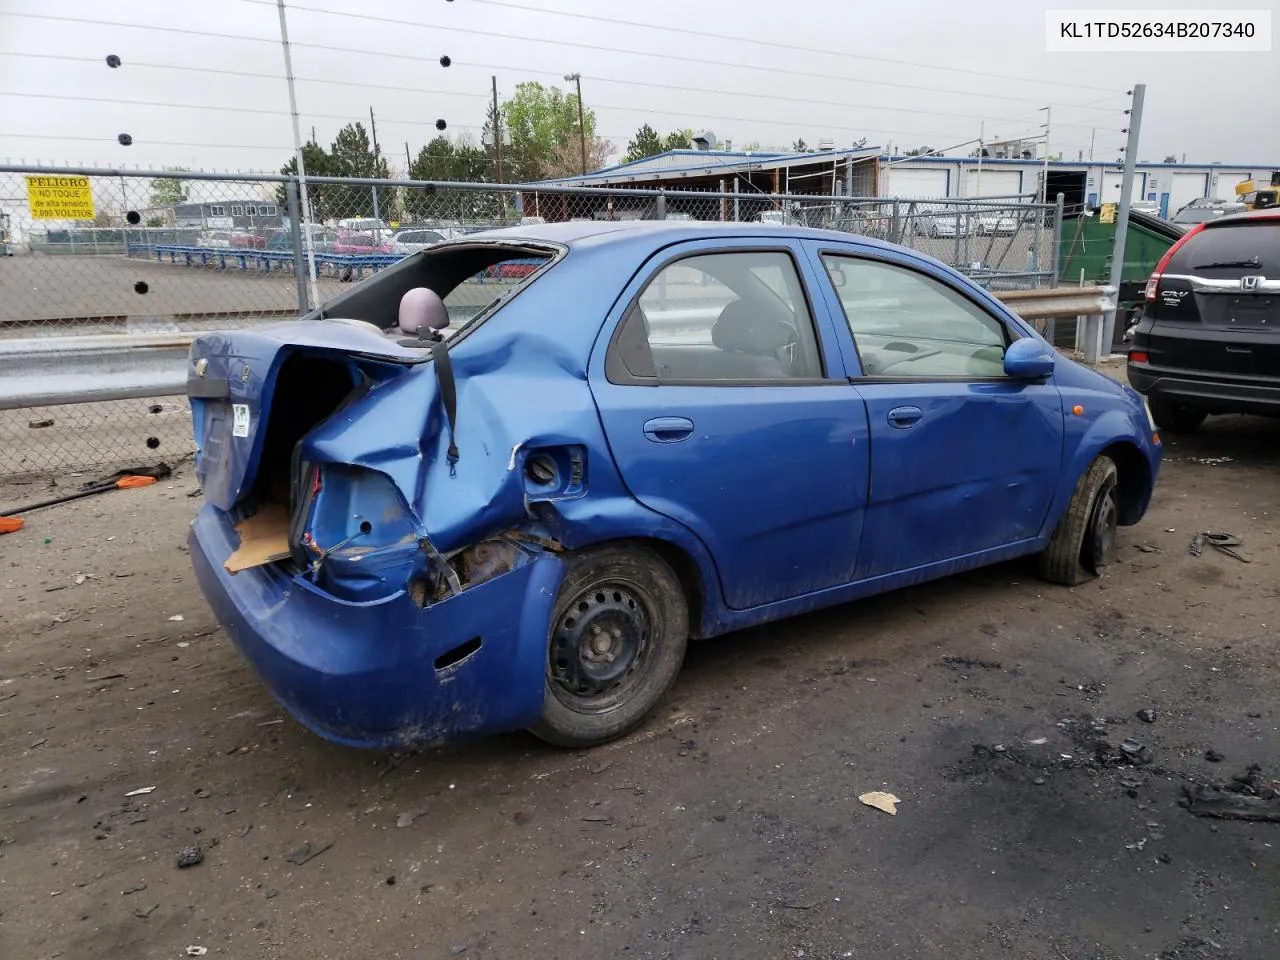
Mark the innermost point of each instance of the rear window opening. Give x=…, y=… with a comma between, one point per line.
x=472, y=278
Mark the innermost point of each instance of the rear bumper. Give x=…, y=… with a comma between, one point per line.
x=1215, y=394
x=364, y=674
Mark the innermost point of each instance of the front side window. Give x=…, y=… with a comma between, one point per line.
x=909, y=325
x=719, y=318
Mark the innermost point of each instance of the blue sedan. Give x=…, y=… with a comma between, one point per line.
x=462, y=499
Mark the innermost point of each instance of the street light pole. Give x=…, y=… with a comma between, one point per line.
x=582, y=125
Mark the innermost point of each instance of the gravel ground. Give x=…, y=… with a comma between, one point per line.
x=729, y=826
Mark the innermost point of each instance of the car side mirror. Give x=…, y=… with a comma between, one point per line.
x=1028, y=359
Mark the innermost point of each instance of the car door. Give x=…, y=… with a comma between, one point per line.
x=727, y=408
x=963, y=457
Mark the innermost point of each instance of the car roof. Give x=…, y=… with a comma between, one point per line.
x=654, y=234
x=1269, y=213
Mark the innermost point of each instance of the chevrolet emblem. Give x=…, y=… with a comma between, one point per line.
x=201, y=366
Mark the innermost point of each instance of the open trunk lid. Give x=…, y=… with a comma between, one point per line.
x=235, y=378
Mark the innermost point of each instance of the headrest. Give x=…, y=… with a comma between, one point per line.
x=743, y=328
x=422, y=308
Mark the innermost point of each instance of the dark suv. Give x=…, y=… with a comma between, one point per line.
x=1209, y=337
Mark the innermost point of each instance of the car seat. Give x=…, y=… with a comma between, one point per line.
x=753, y=342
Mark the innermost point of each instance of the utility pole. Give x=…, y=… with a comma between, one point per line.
x=408, y=163
x=373, y=132
x=1093, y=132
x=582, y=126
x=1122, y=215
x=982, y=134
x=497, y=129
x=297, y=149
x=1044, y=175
x=313, y=133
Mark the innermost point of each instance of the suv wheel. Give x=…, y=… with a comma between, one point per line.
x=1176, y=417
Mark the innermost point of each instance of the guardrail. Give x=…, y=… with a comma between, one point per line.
x=46, y=371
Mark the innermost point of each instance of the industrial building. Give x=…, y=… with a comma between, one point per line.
x=870, y=172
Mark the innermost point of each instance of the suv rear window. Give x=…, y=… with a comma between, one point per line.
x=1250, y=247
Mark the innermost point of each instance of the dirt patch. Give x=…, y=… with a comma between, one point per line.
x=728, y=826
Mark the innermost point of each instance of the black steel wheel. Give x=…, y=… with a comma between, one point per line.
x=1085, y=539
x=616, y=644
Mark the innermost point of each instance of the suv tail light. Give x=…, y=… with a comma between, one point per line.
x=1153, y=282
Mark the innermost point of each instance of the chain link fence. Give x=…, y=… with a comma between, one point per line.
x=126, y=255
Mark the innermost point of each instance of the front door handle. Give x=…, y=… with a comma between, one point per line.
x=668, y=429
x=903, y=417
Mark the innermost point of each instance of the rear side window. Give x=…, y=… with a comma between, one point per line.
x=1230, y=251
x=719, y=318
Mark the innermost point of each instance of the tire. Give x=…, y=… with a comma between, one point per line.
x=1176, y=417
x=1085, y=539
x=619, y=594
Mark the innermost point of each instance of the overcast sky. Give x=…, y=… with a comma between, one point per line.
x=66, y=105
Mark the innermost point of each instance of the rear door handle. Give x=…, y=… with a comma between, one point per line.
x=668, y=429
x=904, y=417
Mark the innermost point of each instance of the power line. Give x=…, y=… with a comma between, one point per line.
x=599, y=48
x=684, y=31
x=487, y=66
x=153, y=143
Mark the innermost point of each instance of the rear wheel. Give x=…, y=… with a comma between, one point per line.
x=1085, y=540
x=618, y=638
x=1176, y=417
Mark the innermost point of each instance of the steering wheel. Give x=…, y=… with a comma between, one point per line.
x=911, y=359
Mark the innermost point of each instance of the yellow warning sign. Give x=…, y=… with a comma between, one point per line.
x=60, y=198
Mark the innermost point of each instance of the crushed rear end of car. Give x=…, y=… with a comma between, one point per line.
x=383, y=569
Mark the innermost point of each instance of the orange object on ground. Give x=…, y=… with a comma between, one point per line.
x=10, y=524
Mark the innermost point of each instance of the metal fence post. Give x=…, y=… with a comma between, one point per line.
x=295, y=231
x=1122, y=215
x=660, y=207
x=894, y=236
x=1055, y=244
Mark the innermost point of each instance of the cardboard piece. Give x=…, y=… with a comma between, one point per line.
x=881, y=801
x=264, y=538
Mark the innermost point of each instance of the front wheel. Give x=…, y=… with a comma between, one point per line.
x=1085, y=540
x=617, y=641
x=1176, y=417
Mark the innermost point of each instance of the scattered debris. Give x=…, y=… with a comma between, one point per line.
x=202, y=793
x=961, y=662
x=881, y=801
x=1148, y=549
x=306, y=852
x=190, y=857
x=39, y=743
x=1147, y=715
x=177, y=618
x=1244, y=797
x=1213, y=756
x=140, y=791
x=143, y=912
x=39, y=424
x=136, y=888
x=457, y=951
x=197, y=951
x=1038, y=741
x=595, y=819
x=406, y=819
